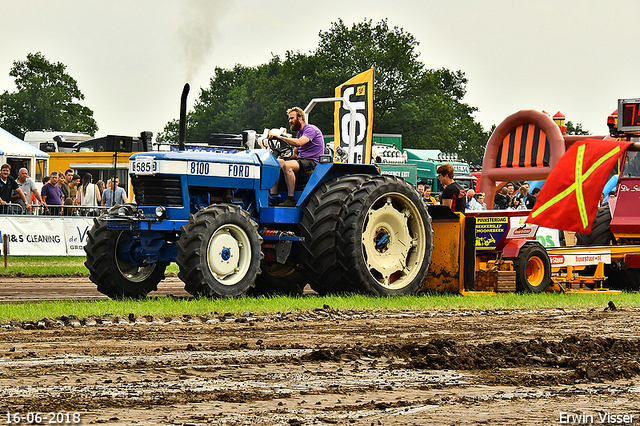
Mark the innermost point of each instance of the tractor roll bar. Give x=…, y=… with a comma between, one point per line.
x=352, y=115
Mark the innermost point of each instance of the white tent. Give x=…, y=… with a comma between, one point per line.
x=19, y=154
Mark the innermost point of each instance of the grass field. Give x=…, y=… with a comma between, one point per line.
x=165, y=307
x=168, y=307
x=52, y=266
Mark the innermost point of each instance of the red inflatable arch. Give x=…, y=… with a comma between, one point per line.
x=525, y=146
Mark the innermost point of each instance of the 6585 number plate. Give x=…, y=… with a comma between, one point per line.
x=143, y=166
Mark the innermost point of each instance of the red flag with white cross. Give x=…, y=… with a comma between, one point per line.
x=569, y=198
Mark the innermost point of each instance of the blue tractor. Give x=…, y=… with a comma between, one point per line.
x=351, y=230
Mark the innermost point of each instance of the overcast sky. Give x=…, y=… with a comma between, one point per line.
x=131, y=58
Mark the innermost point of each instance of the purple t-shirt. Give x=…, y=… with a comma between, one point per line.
x=315, y=147
x=53, y=194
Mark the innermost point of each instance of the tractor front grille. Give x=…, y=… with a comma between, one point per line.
x=157, y=191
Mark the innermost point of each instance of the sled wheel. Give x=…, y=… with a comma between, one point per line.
x=219, y=252
x=533, y=269
x=113, y=276
x=386, y=237
x=622, y=279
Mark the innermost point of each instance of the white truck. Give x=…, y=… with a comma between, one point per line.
x=55, y=141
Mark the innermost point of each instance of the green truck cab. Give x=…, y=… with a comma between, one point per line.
x=427, y=162
x=414, y=165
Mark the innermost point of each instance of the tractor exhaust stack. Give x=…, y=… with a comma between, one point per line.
x=183, y=117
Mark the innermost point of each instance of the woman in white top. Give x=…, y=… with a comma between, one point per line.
x=88, y=194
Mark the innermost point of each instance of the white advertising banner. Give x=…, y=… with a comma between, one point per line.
x=546, y=236
x=586, y=258
x=45, y=236
x=76, y=232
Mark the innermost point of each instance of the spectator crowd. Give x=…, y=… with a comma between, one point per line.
x=61, y=194
x=515, y=196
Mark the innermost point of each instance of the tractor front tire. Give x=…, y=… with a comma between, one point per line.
x=113, y=276
x=533, y=269
x=385, y=237
x=219, y=252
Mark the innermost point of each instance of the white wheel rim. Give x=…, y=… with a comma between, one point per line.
x=229, y=254
x=394, y=240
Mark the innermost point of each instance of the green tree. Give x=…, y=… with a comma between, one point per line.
x=424, y=105
x=44, y=100
x=170, y=132
x=345, y=52
x=576, y=129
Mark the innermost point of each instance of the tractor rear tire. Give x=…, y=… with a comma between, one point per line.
x=385, y=237
x=219, y=252
x=600, y=232
x=533, y=269
x=114, y=277
x=318, y=226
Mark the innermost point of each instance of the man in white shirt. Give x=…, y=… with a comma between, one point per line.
x=28, y=186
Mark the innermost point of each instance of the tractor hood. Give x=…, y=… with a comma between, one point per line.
x=257, y=164
x=256, y=156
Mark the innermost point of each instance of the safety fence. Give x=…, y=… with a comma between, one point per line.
x=41, y=210
x=45, y=235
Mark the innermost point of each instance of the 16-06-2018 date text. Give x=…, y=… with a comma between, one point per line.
x=36, y=418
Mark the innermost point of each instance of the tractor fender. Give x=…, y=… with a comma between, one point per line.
x=327, y=171
x=512, y=249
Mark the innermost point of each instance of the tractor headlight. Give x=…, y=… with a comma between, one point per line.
x=161, y=212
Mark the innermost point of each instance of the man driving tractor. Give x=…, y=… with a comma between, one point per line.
x=308, y=146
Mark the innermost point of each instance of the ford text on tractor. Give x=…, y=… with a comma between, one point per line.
x=351, y=230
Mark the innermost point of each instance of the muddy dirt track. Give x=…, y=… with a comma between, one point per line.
x=327, y=367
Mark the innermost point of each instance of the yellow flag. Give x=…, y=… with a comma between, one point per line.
x=359, y=91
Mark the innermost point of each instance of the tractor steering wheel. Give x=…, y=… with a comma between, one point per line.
x=279, y=147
